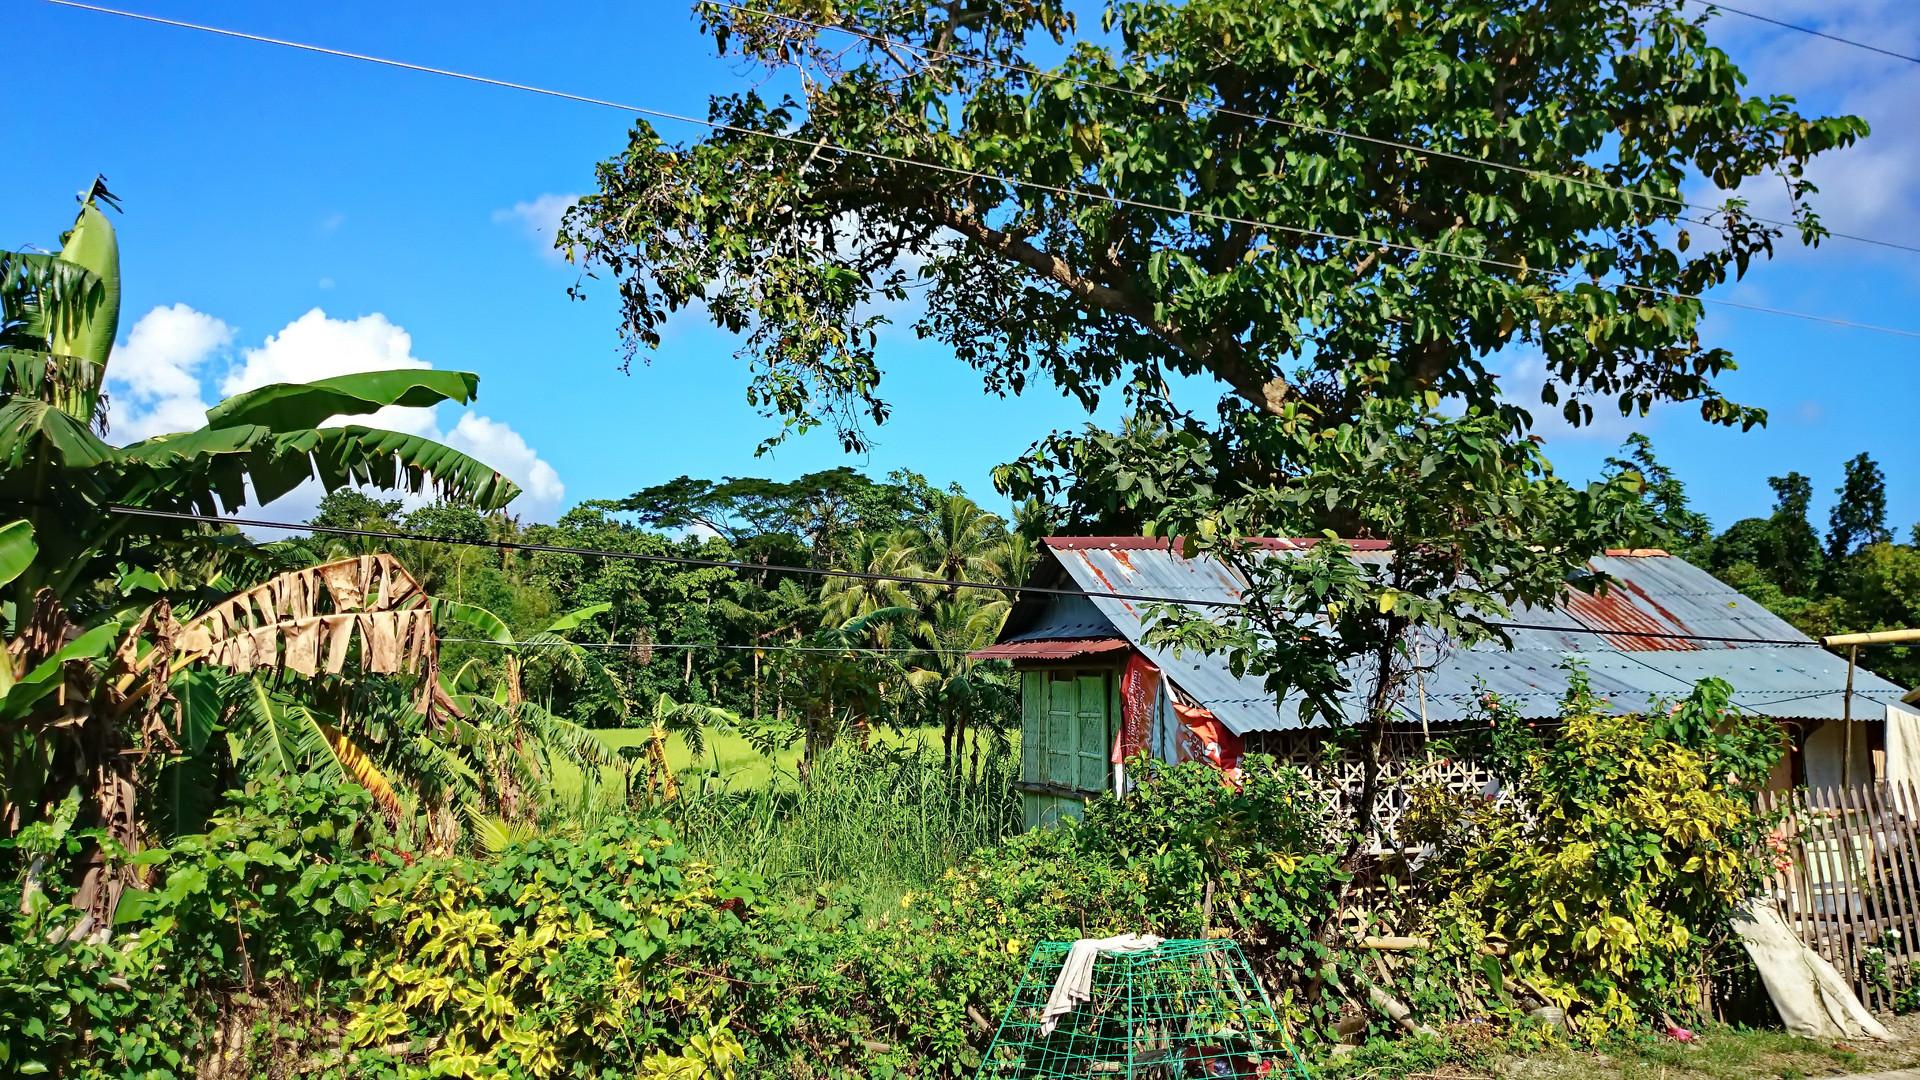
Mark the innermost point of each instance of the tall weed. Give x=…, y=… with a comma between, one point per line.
x=881, y=820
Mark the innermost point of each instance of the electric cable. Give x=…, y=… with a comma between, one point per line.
x=1714, y=5
x=945, y=583
x=615, y=646
x=973, y=174
x=1318, y=129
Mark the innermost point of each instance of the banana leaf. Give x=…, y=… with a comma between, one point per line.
x=17, y=549
x=285, y=406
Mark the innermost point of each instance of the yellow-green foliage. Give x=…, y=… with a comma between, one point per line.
x=1636, y=839
x=548, y=958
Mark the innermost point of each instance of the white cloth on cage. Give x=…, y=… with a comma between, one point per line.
x=1075, y=983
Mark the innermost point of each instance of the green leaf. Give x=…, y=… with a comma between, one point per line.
x=17, y=549
x=212, y=469
x=282, y=406
x=25, y=422
x=471, y=619
x=577, y=616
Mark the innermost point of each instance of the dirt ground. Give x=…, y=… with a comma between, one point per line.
x=1727, y=1054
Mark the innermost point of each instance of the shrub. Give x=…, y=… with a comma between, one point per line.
x=261, y=903
x=1638, y=837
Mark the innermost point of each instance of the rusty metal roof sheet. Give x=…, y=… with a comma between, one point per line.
x=1656, y=593
x=1057, y=649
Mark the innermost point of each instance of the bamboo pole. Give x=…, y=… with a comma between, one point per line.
x=1846, y=714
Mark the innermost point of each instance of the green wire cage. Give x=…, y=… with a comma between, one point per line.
x=1185, y=1010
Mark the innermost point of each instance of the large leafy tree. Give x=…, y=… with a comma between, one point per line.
x=1859, y=516
x=1575, y=243
x=1168, y=205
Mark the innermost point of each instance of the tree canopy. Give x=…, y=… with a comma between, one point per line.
x=1256, y=248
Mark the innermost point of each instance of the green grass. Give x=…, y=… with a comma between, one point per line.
x=728, y=758
x=880, y=821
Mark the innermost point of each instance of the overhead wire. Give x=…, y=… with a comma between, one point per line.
x=1297, y=125
x=817, y=571
x=616, y=646
x=1714, y=5
x=973, y=174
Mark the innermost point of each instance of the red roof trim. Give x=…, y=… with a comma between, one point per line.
x=1056, y=649
x=1144, y=543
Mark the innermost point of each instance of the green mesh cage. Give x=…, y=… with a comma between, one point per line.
x=1187, y=1010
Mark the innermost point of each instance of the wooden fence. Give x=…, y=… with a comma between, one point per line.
x=1848, y=880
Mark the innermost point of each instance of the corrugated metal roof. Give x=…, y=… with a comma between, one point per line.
x=1656, y=592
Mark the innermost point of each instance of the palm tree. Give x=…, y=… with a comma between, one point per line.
x=960, y=690
x=953, y=545
x=885, y=554
x=786, y=611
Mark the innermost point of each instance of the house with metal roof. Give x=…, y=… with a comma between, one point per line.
x=1094, y=690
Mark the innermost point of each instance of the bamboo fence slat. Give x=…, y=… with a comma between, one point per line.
x=1851, y=884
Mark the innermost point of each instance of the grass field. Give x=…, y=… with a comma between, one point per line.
x=728, y=757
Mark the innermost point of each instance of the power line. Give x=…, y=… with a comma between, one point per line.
x=1297, y=125
x=1064, y=192
x=616, y=646
x=1714, y=5
x=1015, y=590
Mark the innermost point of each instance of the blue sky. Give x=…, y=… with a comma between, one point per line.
x=412, y=212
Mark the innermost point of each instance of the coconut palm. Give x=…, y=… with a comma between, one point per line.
x=886, y=554
x=953, y=544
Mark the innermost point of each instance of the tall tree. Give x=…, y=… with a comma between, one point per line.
x=1859, y=519
x=997, y=180
x=1676, y=525
x=1798, y=562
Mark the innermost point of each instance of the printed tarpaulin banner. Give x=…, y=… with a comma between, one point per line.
x=1139, y=697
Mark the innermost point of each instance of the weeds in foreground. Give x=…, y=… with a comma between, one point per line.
x=883, y=820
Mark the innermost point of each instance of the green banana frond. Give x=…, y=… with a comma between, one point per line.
x=470, y=619
x=572, y=619
x=68, y=383
x=17, y=549
x=43, y=295
x=290, y=406
x=210, y=469
x=29, y=427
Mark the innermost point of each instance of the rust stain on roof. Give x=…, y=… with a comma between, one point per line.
x=1611, y=610
x=1059, y=649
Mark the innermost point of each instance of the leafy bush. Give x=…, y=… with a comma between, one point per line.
x=262, y=902
x=1638, y=837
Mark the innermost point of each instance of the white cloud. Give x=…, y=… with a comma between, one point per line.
x=157, y=384
x=314, y=346
x=503, y=448
x=1871, y=189
x=317, y=347
x=153, y=380
x=539, y=220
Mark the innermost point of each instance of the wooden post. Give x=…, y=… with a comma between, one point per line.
x=1846, y=715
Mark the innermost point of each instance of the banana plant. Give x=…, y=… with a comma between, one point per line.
x=58, y=317
x=687, y=720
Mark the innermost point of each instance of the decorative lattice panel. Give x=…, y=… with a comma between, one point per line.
x=1186, y=1010
x=1407, y=761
